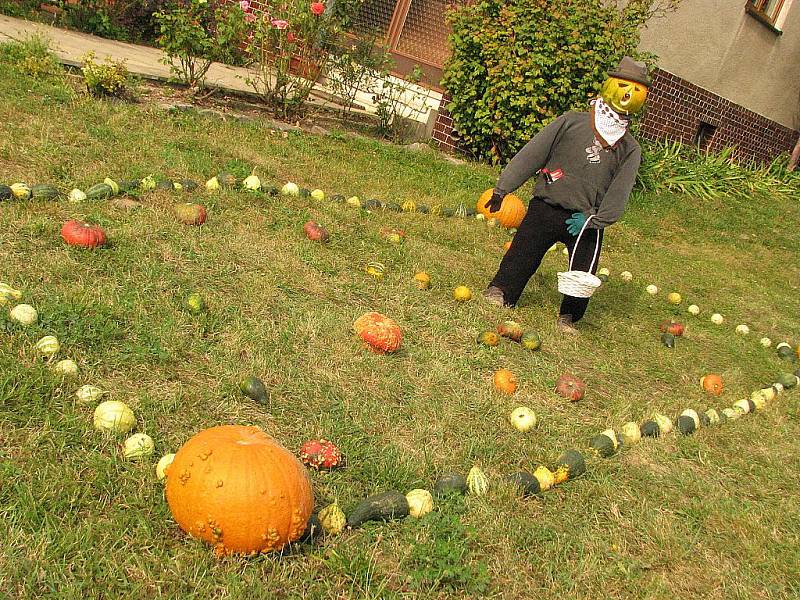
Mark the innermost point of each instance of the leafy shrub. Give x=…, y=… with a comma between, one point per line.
x=517, y=64
x=289, y=47
x=195, y=33
x=31, y=56
x=672, y=167
x=109, y=79
x=128, y=20
x=18, y=8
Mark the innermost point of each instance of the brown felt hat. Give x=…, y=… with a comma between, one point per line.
x=632, y=71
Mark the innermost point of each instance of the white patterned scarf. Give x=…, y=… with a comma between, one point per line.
x=608, y=126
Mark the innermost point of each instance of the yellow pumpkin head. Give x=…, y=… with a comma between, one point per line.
x=624, y=96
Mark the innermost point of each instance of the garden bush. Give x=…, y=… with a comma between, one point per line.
x=516, y=64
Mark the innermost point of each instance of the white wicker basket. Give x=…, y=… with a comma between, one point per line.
x=580, y=284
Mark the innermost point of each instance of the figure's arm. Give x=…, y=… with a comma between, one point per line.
x=616, y=197
x=530, y=159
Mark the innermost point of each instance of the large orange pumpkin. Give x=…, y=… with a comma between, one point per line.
x=238, y=489
x=380, y=333
x=505, y=381
x=511, y=212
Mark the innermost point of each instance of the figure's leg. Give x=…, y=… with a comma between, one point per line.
x=584, y=253
x=538, y=231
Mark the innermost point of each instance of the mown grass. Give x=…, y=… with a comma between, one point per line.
x=713, y=516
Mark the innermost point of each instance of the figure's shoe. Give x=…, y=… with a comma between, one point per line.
x=494, y=295
x=565, y=325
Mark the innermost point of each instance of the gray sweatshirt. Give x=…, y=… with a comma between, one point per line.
x=589, y=178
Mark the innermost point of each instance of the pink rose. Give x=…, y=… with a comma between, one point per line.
x=245, y=5
x=279, y=23
x=318, y=8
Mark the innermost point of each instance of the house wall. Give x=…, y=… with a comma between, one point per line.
x=716, y=45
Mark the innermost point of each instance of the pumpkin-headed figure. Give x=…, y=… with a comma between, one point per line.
x=625, y=90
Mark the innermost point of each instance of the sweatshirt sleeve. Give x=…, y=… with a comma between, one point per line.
x=616, y=197
x=531, y=158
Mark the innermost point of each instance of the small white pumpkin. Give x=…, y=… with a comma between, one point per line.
x=631, y=433
x=48, y=346
x=114, y=416
x=138, y=445
x=76, y=196
x=420, y=503
x=732, y=414
x=89, y=394
x=664, y=423
x=148, y=184
x=24, y=314
x=713, y=416
x=626, y=276
x=212, y=185
x=693, y=309
x=66, y=367
x=766, y=342
x=290, y=189
x=318, y=194
x=163, y=464
x=742, y=329
x=252, y=183
x=742, y=405
x=717, y=319
x=523, y=419
x=652, y=289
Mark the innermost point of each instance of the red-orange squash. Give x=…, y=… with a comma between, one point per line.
x=712, y=383
x=380, y=333
x=505, y=381
x=238, y=489
x=84, y=235
x=511, y=212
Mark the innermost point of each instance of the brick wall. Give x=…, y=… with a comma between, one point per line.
x=675, y=110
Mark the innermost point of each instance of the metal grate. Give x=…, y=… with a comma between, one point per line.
x=425, y=31
x=374, y=17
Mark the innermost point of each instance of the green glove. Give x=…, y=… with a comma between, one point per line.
x=575, y=223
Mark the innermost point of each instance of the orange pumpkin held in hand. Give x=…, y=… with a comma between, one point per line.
x=511, y=212
x=505, y=381
x=380, y=333
x=712, y=383
x=238, y=489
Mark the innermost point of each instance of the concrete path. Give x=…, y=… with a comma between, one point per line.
x=143, y=61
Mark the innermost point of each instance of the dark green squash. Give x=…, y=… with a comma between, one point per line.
x=189, y=185
x=380, y=507
x=448, y=212
x=787, y=380
x=602, y=445
x=668, y=340
x=705, y=421
x=44, y=191
x=450, y=483
x=313, y=530
x=393, y=206
x=165, y=184
x=5, y=192
x=100, y=191
x=254, y=388
x=305, y=193
x=650, y=429
x=338, y=198
x=525, y=482
x=128, y=185
x=372, y=204
x=686, y=425
x=271, y=190
x=422, y=208
x=470, y=212
x=573, y=462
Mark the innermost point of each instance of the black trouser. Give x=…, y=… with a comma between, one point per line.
x=543, y=226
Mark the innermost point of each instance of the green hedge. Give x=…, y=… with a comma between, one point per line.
x=517, y=64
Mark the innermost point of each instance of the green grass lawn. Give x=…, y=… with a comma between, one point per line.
x=715, y=515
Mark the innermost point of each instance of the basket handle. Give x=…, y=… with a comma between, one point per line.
x=596, y=246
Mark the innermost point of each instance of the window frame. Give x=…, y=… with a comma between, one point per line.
x=755, y=8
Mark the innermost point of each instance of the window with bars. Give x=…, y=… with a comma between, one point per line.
x=765, y=10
